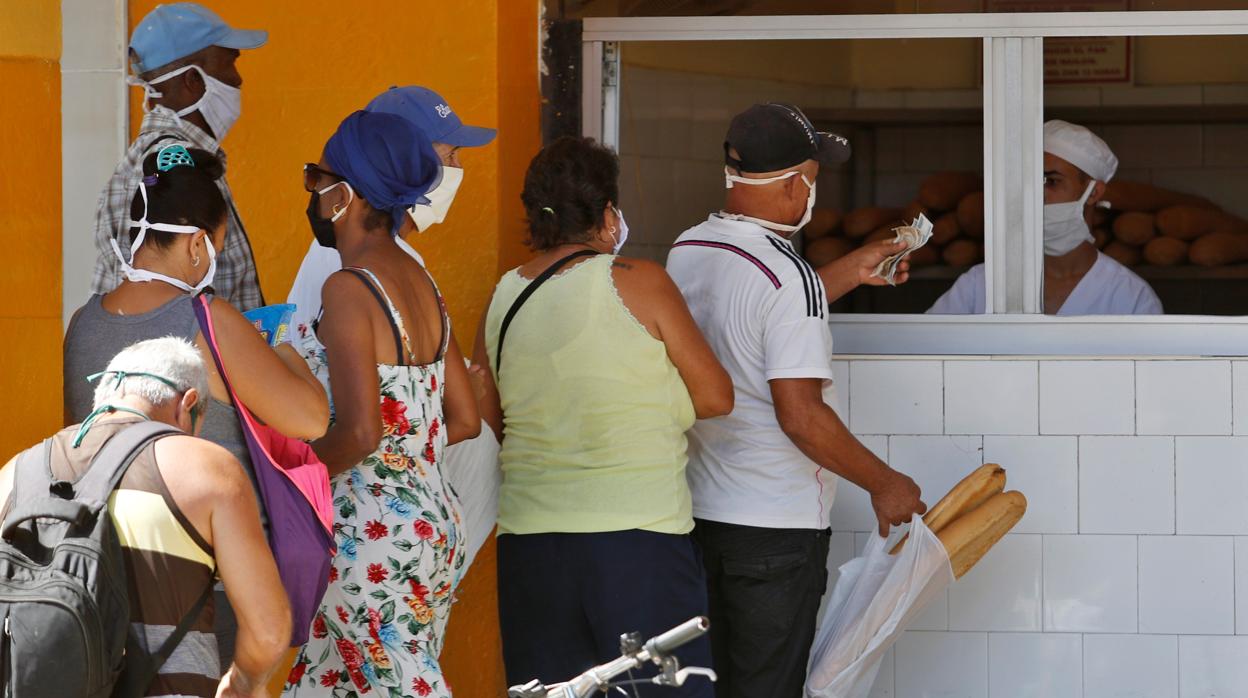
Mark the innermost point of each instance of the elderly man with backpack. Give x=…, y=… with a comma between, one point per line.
x=113, y=533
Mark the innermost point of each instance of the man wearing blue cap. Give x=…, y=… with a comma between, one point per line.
x=431, y=113
x=183, y=56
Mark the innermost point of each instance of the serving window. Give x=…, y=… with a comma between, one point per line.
x=945, y=113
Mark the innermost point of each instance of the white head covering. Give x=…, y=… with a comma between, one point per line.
x=1081, y=148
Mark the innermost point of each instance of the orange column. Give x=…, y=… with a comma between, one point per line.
x=30, y=216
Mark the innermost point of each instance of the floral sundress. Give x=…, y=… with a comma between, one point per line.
x=382, y=623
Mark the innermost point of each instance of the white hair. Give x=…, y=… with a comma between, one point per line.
x=172, y=358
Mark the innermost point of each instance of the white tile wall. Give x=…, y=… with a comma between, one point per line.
x=1241, y=586
x=1239, y=396
x=851, y=510
x=896, y=397
x=1002, y=592
x=1187, y=584
x=991, y=397
x=1090, y=584
x=1183, y=397
x=837, y=394
x=936, y=463
x=1033, y=665
x=1213, y=666
x=942, y=664
x=1087, y=397
x=1046, y=469
x=1126, y=484
x=1139, y=666
x=1211, y=485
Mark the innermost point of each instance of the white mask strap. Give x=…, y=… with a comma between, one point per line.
x=150, y=93
x=350, y=197
x=127, y=265
x=730, y=178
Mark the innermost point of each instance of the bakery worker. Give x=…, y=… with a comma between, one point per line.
x=1078, y=278
x=763, y=476
x=433, y=115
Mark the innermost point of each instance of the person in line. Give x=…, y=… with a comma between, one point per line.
x=434, y=116
x=177, y=221
x=603, y=372
x=183, y=56
x=761, y=487
x=184, y=515
x=400, y=394
x=1078, y=278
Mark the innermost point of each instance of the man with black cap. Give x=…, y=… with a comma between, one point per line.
x=183, y=56
x=761, y=496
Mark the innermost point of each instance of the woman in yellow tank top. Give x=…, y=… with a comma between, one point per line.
x=602, y=373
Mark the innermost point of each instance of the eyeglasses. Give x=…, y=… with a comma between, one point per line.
x=314, y=178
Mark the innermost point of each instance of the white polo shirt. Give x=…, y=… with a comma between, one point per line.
x=763, y=310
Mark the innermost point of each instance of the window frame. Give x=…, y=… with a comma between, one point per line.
x=1013, y=108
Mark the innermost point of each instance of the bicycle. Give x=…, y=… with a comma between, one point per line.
x=634, y=654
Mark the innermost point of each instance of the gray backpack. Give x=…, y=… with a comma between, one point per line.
x=63, y=597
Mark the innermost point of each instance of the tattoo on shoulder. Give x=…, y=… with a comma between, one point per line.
x=621, y=265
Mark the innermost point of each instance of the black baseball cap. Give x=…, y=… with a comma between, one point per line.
x=773, y=136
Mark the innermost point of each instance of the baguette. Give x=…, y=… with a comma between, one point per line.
x=823, y=222
x=861, y=221
x=820, y=252
x=974, y=489
x=925, y=256
x=942, y=191
x=969, y=537
x=912, y=211
x=945, y=229
x=1124, y=254
x=1218, y=249
x=971, y=214
x=1135, y=228
x=1187, y=222
x=1134, y=196
x=963, y=252
x=887, y=232
x=1165, y=252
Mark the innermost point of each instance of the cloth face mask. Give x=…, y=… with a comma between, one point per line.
x=1064, y=225
x=623, y=236
x=221, y=104
x=730, y=179
x=440, y=199
x=142, y=275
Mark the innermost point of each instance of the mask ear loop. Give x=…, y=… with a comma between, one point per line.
x=143, y=225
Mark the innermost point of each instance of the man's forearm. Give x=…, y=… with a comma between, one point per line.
x=824, y=438
x=839, y=277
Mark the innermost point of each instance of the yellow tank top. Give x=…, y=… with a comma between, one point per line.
x=594, y=412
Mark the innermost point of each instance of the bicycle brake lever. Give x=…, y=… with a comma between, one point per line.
x=684, y=674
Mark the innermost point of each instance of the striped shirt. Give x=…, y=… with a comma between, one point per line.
x=235, y=279
x=168, y=564
x=763, y=310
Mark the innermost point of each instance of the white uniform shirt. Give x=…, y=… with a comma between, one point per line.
x=1108, y=288
x=315, y=269
x=763, y=311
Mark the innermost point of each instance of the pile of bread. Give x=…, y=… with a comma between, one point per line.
x=1144, y=225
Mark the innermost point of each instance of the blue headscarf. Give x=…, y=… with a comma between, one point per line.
x=387, y=159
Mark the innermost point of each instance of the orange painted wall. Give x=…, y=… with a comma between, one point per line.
x=30, y=218
x=325, y=59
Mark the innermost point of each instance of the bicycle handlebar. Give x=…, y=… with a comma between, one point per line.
x=662, y=645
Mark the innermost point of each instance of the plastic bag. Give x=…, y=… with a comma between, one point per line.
x=875, y=599
x=472, y=468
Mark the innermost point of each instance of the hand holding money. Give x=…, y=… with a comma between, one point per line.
x=913, y=236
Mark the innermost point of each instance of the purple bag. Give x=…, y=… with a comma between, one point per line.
x=295, y=493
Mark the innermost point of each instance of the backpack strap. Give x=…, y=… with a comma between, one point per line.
x=141, y=667
x=32, y=480
x=524, y=296
x=111, y=462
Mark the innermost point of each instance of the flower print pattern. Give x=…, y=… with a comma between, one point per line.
x=383, y=620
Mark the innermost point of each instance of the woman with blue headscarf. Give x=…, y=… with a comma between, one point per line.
x=399, y=394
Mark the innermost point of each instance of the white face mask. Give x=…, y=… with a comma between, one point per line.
x=730, y=179
x=142, y=275
x=1064, y=226
x=440, y=199
x=220, y=106
x=623, y=232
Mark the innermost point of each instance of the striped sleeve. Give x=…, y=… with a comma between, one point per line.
x=796, y=340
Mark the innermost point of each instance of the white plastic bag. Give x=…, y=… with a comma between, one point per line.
x=472, y=468
x=876, y=597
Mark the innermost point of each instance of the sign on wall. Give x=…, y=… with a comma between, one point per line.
x=1075, y=59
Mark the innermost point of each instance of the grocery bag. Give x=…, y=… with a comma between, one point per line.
x=875, y=598
x=472, y=468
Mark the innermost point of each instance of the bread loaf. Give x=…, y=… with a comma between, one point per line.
x=1186, y=222
x=1135, y=227
x=966, y=496
x=971, y=214
x=1123, y=253
x=925, y=256
x=963, y=253
x=1165, y=252
x=970, y=536
x=885, y=233
x=820, y=252
x=912, y=211
x=945, y=228
x=1218, y=249
x=942, y=191
x=861, y=221
x=1134, y=196
x=823, y=222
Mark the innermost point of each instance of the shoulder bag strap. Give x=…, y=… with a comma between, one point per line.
x=524, y=296
x=141, y=667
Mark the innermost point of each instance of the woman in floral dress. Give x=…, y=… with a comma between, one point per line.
x=399, y=397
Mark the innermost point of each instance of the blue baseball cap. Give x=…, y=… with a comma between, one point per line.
x=175, y=31
x=426, y=108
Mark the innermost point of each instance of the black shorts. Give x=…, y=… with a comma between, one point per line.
x=564, y=599
x=764, y=588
